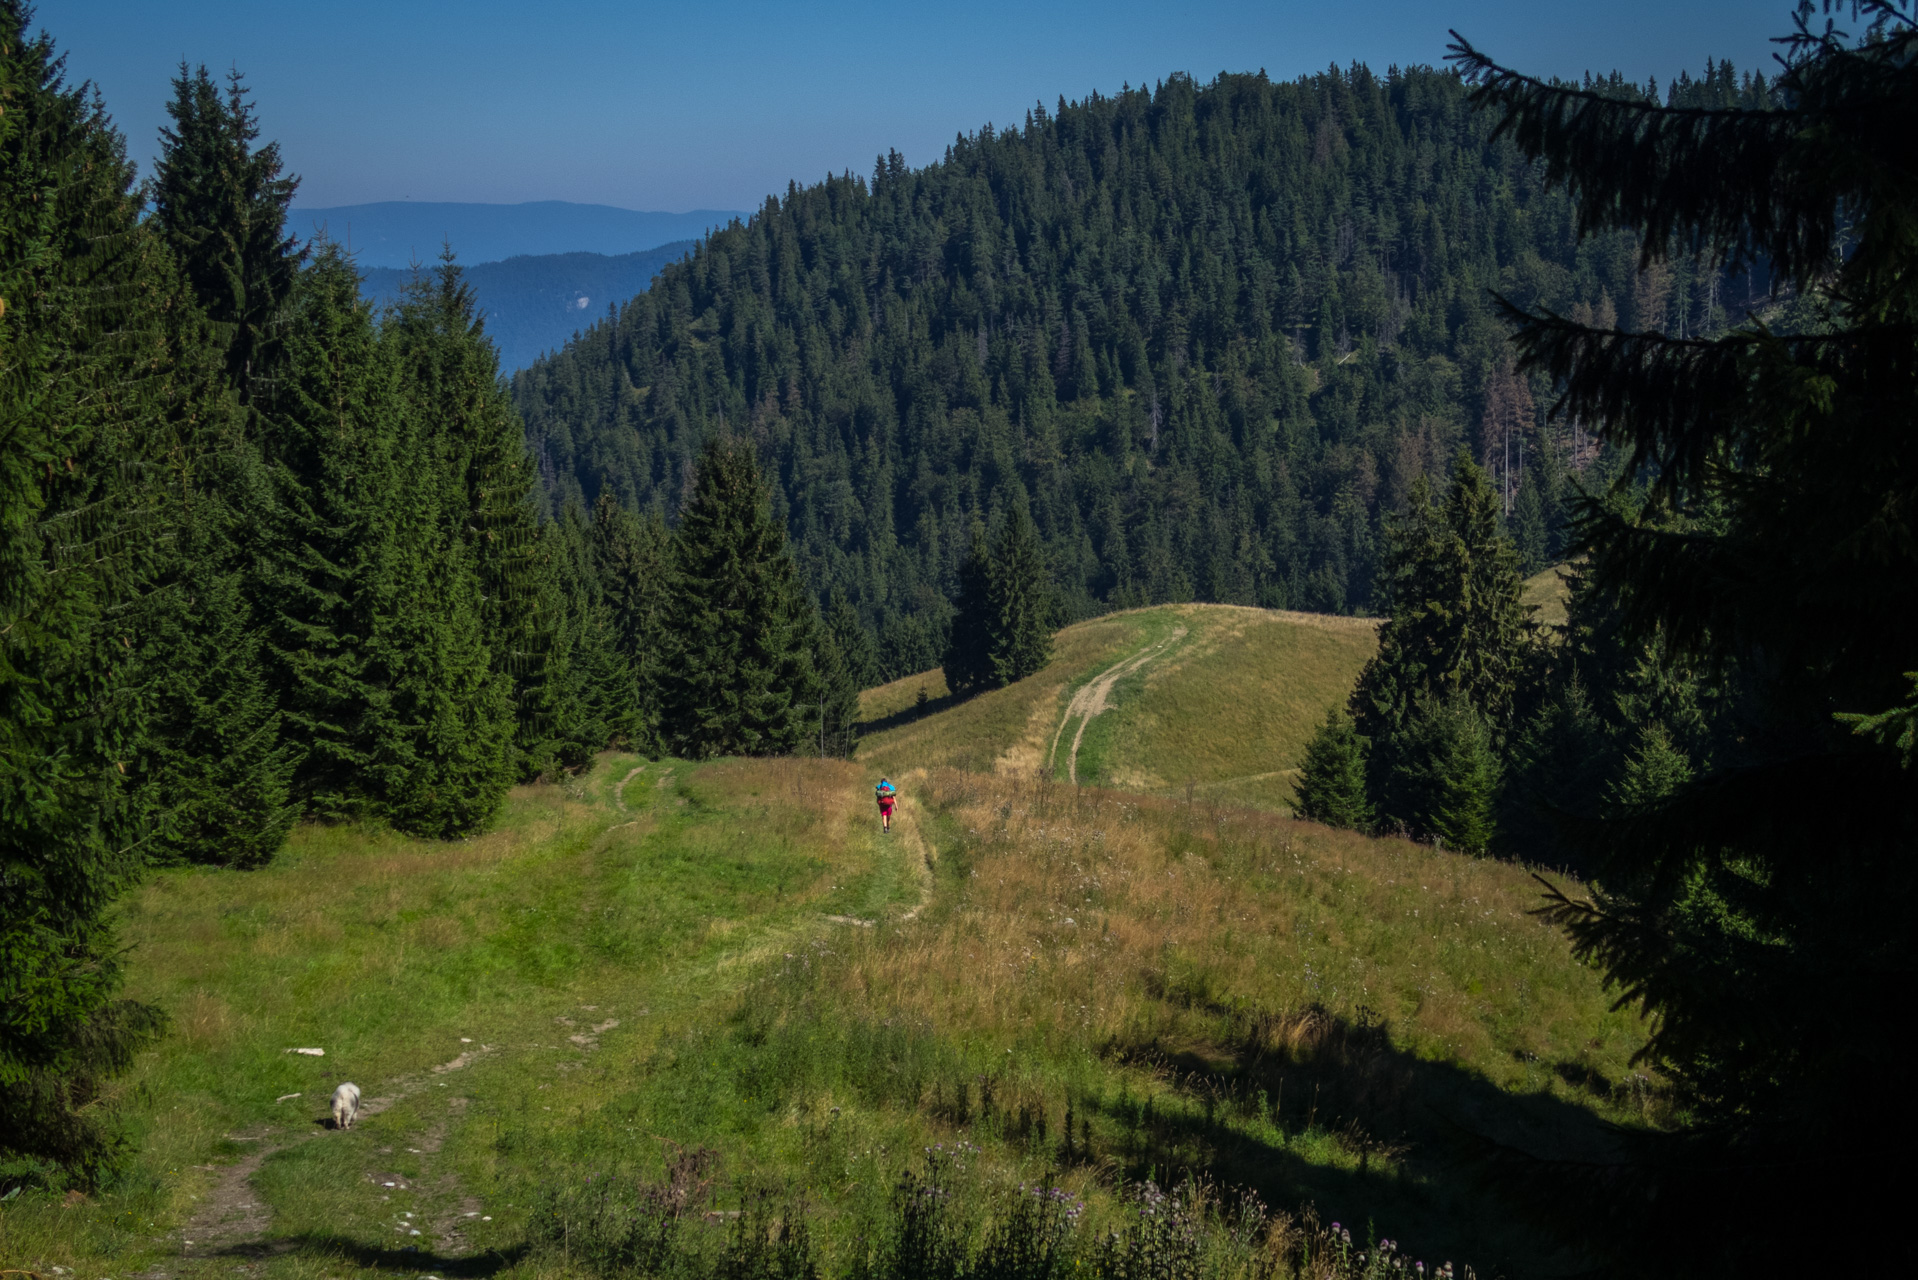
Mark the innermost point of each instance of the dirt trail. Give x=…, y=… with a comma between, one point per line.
x=1094, y=697
x=233, y=1219
x=918, y=854
x=912, y=847
x=619, y=792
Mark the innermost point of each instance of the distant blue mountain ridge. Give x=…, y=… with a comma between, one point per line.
x=536, y=303
x=398, y=233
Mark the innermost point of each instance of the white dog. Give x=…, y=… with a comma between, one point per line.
x=346, y=1105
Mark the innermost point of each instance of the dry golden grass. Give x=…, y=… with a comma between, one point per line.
x=1091, y=917
x=1309, y=1012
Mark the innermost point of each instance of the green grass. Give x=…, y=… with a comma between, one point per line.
x=729, y=957
x=392, y=954
x=1224, y=706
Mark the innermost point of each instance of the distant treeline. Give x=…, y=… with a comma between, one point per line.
x=533, y=304
x=1207, y=336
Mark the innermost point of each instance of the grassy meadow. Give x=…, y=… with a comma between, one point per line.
x=1215, y=700
x=668, y=1014
x=1545, y=594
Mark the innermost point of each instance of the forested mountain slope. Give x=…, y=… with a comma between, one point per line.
x=1209, y=333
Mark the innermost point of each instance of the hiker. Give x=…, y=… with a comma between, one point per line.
x=888, y=797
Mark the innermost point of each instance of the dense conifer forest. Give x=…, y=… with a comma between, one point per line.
x=1207, y=336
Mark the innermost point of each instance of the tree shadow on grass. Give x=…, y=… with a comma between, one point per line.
x=908, y=715
x=1312, y=1107
x=326, y=1245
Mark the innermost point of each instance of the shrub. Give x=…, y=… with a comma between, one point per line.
x=1332, y=776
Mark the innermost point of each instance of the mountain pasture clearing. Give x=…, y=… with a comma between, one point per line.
x=1216, y=699
x=724, y=963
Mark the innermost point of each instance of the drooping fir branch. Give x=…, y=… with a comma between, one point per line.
x=1707, y=174
x=1754, y=187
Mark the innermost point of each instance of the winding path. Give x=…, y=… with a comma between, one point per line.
x=1094, y=696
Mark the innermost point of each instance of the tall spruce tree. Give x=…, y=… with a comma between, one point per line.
x=216, y=761
x=92, y=332
x=442, y=762
x=220, y=203
x=1757, y=913
x=1019, y=602
x=968, y=656
x=739, y=681
x=449, y=372
x=220, y=766
x=448, y=384
x=1456, y=629
x=328, y=567
x=631, y=560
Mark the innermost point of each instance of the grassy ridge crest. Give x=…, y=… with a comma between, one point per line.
x=1216, y=699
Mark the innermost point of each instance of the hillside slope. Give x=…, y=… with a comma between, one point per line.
x=726, y=960
x=1217, y=699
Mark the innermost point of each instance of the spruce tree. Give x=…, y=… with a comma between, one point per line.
x=1757, y=913
x=91, y=334
x=739, y=681
x=328, y=566
x=220, y=203
x=1655, y=771
x=449, y=373
x=968, y=655
x=1019, y=602
x=1446, y=782
x=1331, y=787
x=220, y=769
x=630, y=559
x=456, y=416
x=442, y=759
x=1456, y=628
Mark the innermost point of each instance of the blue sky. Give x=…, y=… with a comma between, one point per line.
x=651, y=106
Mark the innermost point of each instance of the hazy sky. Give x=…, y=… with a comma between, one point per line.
x=687, y=106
